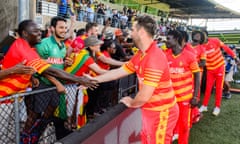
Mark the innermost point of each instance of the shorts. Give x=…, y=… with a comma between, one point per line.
x=71, y=91
x=40, y=101
x=229, y=76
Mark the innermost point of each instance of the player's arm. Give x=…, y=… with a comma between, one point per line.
x=203, y=56
x=228, y=50
x=202, y=62
x=112, y=75
x=140, y=99
x=196, y=79
x=196, y=82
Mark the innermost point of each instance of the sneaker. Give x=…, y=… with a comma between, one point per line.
x=175, y=137
x=224, y=95
x=216, y=111
x=203, y=109
x=228, y=96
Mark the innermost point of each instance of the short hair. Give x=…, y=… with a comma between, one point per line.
x=90, y=25
x=205, y=32
x=148, y=23
x=176, y=35
x=80, y=32
x=185, y=35
x=201, y=35
x=106, y=44
x=55, y=19
x=23, y=26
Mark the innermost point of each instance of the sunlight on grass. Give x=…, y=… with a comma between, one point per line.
x=224, y=129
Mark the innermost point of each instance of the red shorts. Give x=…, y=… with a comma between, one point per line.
x=157, y=126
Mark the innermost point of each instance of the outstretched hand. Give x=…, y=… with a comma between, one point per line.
x=126, y=100
x=88, y=81
x=194, y=102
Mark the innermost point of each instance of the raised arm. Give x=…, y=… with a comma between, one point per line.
x=111, y=75
x=58, y=73
x=140, y=99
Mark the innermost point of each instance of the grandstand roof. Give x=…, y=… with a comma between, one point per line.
x=198, y=9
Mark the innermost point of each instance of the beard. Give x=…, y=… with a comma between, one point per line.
x=59, y=36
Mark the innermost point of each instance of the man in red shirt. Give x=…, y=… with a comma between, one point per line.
x=155, y=96
x=215, y=71
x=22, y=50
x=200, y=53
x=185, y=76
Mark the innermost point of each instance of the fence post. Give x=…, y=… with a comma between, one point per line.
x=119, y=90
x=17, y=121
x=23, y=10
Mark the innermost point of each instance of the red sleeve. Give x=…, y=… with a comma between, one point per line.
x=227, y=49
x=203, y=54
x=39, y=65
x=129, y=66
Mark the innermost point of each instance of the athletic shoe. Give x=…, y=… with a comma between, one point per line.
x=228, y=96
x=175, y=137
x=203, y=109
x=224, y=95
x=216, y=111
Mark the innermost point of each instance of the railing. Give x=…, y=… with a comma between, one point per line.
x=53, y=9
x=15, y=112
x=47, y=8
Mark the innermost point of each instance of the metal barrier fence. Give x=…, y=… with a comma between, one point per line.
x=18, y=113
x=52, y=9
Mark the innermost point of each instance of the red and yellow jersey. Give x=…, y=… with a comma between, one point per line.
x=152, y=69
x=182, y=68
x=102, y=64
x=20, y=51
x=214, y=55
x=198, y=50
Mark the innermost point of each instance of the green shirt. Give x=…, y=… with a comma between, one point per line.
x=52, y=52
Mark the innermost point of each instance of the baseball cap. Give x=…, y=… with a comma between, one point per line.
x=118, y=32
x=92, y=41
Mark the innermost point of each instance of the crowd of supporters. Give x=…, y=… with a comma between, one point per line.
x=95, y=11
x=85, y=51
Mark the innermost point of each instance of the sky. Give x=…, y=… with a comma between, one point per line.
x=231, y=4
x=222, y=24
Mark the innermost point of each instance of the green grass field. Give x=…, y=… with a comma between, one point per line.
x=223, y=129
